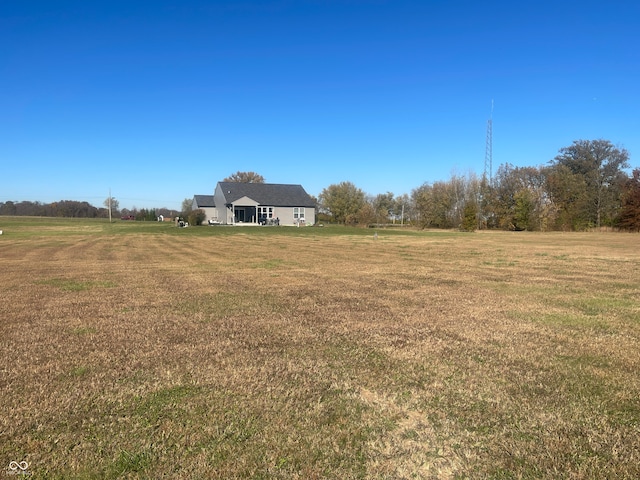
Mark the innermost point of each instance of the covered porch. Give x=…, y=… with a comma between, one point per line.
x=247, y=211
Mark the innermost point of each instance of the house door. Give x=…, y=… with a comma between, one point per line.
x=245, y=214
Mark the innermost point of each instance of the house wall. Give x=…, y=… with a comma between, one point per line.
x=285, y=214
x=211, y=213
x=225, y=216
x=311, y=215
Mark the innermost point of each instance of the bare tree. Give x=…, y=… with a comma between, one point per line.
x=112, y=206
x=629, y=217
x=186, y=206
x=245, y=177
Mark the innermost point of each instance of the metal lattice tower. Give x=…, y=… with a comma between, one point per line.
x=488, y=152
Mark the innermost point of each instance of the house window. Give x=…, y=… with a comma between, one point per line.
x=265, y=212
x=298, y=213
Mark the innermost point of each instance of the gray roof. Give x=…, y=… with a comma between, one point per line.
x=204, y=201
x=270, y=194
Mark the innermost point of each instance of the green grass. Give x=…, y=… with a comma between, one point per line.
x=84, y=331
x=76, y=285
x=25, y=227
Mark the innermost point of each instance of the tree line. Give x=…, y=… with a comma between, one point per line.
x=585, y=186
x=76, y=209
x=63, y=208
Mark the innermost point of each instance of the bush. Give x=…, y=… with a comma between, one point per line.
x=469, y=217
x=196, y=217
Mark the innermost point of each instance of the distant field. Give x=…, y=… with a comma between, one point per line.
x=140, y=350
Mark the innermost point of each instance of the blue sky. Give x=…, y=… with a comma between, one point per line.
x=160, y=100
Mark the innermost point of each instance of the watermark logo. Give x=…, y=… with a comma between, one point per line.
x=18, y=468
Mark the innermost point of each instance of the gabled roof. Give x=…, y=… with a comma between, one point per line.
x=204, y=200
x=269, y=194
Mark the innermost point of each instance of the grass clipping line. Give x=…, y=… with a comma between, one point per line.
x=291, y=355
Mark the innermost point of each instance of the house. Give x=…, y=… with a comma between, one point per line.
x=205, y=203
x=263, y=203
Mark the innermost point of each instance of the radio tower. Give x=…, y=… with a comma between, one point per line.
x=488, y=151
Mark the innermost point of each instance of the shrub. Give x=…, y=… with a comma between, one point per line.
x=196, y=217
x=469, y=217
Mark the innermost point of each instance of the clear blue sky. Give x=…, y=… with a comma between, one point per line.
x=159, y=100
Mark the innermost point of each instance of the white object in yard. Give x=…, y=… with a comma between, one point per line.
x=0, y=232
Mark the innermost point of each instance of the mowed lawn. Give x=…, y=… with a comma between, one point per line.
x=145, y=351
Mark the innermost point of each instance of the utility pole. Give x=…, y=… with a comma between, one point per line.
x=109, y=205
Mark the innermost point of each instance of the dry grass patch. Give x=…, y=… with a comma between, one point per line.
x=312, y=355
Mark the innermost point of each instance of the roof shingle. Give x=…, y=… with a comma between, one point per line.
x=204, y=201
x=272, y=194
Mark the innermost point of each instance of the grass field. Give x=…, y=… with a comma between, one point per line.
x=140, y=350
